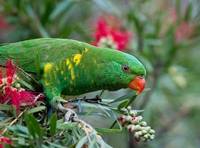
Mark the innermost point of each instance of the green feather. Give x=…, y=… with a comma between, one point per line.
x=71, y=67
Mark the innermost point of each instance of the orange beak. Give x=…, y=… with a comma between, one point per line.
x=138, y=84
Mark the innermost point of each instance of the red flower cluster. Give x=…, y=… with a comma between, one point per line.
x=4, y=140
x=10, y=94
x=183, y=31
x=108, y=35
x=3, y=23
x=173, y=15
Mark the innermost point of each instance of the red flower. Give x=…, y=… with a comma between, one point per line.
x=108, y=35
x=183, y=31
x=10, y=71
x=16, y=96
x=4, y=140
x=3, y=23
x=1, y=78
x=19, y=97
x=173, y=15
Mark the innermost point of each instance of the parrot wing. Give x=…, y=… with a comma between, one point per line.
x=31, y=54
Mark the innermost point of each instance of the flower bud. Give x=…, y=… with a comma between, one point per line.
x=152, y=137
x=137, y=127
x=131, y=128
x=144, y=131
x=133, y=113
x=143, y=139
x=139, y=133
x=147, y=128
x=143, y=123
x=136, y=135
x=129, y=108
x=140, y=118
x=152, y=131
x=128, y=118
x=146, y=136
x=124, y=109
x=134, y=120
x=17, y=85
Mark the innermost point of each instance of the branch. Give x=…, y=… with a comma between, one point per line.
x=13, y=122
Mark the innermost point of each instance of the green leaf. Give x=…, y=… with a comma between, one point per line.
x=54, y=145
x=34, y=18
x=131, y=94
x=103, y=144
x=52, y=124
x=188, y=12
x=36, y=109
x=131, y=100
x=19, y=128
x=107, y=6
x=108, y=130
x=5, y=107
x=93, y=144
x=25, y=84
x=123, y=104
x=83, y=141
x=5, y=122
x=33, y=126
x=21, y=141
x=63, y=6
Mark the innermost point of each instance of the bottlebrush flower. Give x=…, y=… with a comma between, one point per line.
x=173, y=15
x=3, y=23
x=183, y=31
x=4, y=140
x=17, y=96
x=10, y=72
x=109, y=35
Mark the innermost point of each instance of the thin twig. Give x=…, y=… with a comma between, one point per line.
x=14, y=121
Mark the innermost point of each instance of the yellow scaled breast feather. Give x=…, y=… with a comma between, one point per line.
x=77, y=57
x=76, y=60
x=70, y=68
x=48, y=67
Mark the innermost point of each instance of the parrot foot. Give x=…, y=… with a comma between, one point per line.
x=70, y=115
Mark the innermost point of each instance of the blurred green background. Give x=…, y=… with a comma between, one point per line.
x=165, y=36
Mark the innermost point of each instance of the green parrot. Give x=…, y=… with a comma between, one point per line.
x=69, y=67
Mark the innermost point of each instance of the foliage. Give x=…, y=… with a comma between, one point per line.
x=164, y=35
x=55, y=133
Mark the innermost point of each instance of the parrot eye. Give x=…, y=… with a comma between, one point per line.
x=125, y=68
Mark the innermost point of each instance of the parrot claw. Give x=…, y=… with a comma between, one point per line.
x=70, y=115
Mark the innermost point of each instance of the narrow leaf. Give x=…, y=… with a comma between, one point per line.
x=36, y=109
x=33, y=126
x=53, y=124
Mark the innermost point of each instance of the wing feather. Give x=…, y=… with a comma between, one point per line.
x=27, y=53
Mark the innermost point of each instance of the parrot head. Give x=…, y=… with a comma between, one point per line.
x=116, y=70
x=134, y=72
